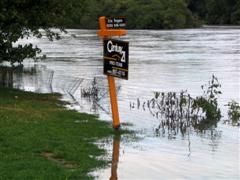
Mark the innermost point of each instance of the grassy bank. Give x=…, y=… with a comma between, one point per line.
x=40, y=139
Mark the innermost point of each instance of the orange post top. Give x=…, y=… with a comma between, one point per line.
x=104, y=31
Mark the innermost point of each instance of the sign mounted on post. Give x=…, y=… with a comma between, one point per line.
x=115, y=23
x=116, y=58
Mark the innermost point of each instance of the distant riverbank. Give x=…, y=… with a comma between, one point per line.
x=154, y=14
x=222, y=26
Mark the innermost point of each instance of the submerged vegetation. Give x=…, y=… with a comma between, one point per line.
x=208, y=101
x=179, y=111
x=234, y=112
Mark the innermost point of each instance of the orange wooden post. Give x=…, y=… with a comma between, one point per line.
x=105, y=33
x=114, y=104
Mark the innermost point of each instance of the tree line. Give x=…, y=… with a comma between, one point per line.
x=157, y=14
x=216, y=12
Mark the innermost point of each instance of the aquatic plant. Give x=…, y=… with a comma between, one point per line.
x=180, y=111
x=208, y=102
x=234, y=112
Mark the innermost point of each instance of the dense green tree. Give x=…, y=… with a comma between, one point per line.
x=198, y=7
x=216, y=11
x=141, y=14
x=25, y=18
x=235, y=15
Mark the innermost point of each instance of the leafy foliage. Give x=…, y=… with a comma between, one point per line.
x=217, y=11
x=151, y=14
x=234, y=112
x=208, y=102
x=25, y=18
x=159, y=14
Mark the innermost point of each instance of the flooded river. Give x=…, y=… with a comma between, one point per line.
x=160, y=61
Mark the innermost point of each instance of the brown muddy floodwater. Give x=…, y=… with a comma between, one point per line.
x=161, y=61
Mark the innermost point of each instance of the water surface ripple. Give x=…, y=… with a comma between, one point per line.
x=159, y=61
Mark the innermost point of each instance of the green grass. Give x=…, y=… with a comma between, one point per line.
x=40, y=139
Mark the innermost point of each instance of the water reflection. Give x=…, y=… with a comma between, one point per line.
x=171, y=128
x=171, y=131
x=31, y=78
x=115, y=157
